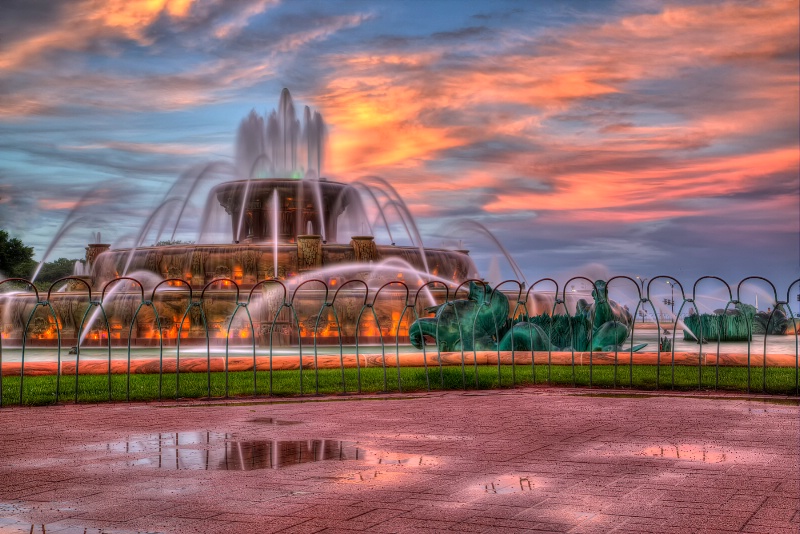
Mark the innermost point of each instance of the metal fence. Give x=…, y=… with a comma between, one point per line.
x=325, y=297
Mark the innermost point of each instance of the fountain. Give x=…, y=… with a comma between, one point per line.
x=284, y=222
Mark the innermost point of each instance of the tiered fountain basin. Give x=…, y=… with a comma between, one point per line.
x=251, y=263
x=269, y=219
x=282, y=229
x=309, y=273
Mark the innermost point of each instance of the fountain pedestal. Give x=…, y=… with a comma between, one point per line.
x=309, y=252
x=364, y=248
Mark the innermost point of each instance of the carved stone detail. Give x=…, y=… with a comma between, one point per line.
x=94, y=250
x=309, y=252
x=222, y=271
x=198, y=266
x=364, y=248
x=250, y=263
x=152, y=262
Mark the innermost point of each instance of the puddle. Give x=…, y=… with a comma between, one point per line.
x=692, y=453
x=10, y=525
x=507, y=484
x=616, y=395
x=421, y=437
x=771, y=410
x=7, y=508
x=379, y=477
x=217, y=451
x=785, y=402
x=342, y=398
x=766, y=400
x=271, y=421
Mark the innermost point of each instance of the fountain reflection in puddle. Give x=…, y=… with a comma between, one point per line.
x=507, y=484
x=218, y=451
x=272, y=421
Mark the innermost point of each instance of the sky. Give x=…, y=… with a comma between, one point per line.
x=627, y=137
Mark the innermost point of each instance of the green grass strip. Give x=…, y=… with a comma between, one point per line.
x=40, y=390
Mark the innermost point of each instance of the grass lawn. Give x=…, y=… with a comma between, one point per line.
x=39, y=390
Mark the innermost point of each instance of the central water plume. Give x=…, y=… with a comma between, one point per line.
x=278, y=145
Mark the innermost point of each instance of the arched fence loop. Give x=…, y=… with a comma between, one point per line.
x=672, y=283
x=750, y=330
x=721, y=318
x=293, y=309
x=595, y=294
x=283, y=303
x=796, y=331
x=69, y=279
x=227, y=282
x=485, y=287
x=25, y=282
x=99, y=304
x=191, y=304
x=142, y=302
x=363, y=284
x=396, y=331
x=39, y=302
x=556, y=302
x=639, y=302
x=426, y=287
x=501, y=321
x=518, y=302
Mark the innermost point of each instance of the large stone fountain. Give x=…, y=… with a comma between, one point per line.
x=278, y=231
x=285, y=225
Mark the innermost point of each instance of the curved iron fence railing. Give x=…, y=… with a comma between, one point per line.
x=171, y=312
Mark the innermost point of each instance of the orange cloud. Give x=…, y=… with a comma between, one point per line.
x=395, y=112
x=91, y=20
x=385, y=96
x=381, y=127
x=703, y=178
x=56, y=204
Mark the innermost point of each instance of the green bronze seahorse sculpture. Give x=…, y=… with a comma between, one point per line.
x=481, y=322
x=482, y=318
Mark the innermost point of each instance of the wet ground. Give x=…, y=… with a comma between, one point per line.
x=542, y=459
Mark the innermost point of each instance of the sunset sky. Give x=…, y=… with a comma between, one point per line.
x=644, y=137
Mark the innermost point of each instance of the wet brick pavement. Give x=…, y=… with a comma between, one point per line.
x=535, y=459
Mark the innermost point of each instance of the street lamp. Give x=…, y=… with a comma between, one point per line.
x=671, y=301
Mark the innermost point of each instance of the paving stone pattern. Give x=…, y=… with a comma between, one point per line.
x=534, y=459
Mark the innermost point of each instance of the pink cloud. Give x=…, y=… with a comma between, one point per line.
x=386, y=109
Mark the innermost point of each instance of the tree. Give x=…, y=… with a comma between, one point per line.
x=53, y=270
x=16, y=260
x=168, y=242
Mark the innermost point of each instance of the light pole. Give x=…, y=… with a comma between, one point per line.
x=671, y=301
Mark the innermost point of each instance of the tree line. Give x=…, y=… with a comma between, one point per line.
x=16, y=261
